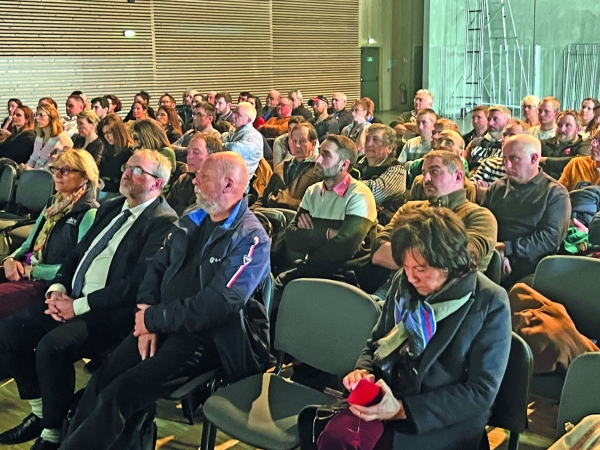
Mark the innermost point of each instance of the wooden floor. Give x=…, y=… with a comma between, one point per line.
x=176, y=434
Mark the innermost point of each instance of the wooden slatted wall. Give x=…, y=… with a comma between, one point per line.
x=52, y=47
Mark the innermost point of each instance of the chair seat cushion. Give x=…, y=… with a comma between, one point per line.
x=262, y=410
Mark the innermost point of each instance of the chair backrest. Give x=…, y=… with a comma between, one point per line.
x=8, y=181
x=34, y=189
x=580, y=395
x=325, y=323
x=574, y=282
x=510, y=408
x=494, y=268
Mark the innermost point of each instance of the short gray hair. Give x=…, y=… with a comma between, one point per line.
x=162, y=164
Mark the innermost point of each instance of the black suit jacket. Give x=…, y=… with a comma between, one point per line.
x=129, y=262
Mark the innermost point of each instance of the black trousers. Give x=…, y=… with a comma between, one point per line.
x=39, y=353
x=125, y=385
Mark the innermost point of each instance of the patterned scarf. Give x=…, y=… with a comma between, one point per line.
x=416, y=319
x=60, y=207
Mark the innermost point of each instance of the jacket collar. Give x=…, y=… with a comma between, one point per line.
x=199, y=215
x=452, y=200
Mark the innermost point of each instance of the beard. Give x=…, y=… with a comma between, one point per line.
x=328, y=173
x=131, y=190
x=211, y=207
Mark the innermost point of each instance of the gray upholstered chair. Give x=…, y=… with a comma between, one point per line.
x=323, y=323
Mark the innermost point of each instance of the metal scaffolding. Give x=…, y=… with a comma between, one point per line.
x=496, y=68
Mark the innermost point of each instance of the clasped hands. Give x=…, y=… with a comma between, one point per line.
x=389, y=408
x=60, y=307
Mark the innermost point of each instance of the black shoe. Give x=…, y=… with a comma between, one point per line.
x=29, y=429
x=42, y=444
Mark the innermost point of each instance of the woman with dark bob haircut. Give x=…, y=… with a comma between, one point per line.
x=438, y=352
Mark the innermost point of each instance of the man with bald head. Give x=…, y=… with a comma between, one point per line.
x=197, y=309
x=532, y=209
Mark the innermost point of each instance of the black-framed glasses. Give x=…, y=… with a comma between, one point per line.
x=135, y=170
x=64, y=170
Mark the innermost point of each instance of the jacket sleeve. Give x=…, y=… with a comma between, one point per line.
x=486, y=364
x=303, y=240
x=126, y=288
x=240, y=273
x=48, y=271
x=482, y=232
x=550, y=231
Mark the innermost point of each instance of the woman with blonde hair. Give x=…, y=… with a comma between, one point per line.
x=19, y=145
x=51, y=138
x=117, y=150
x=361, y=110
x=87, y=137
x=60, y=226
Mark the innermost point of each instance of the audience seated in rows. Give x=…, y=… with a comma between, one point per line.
x=223, y=106
x=50, y=140
x=532, y=209
x=583, y=169
x=423, y=374
x=338, y=110
x=295, y=96
x=90, y=304
x=245, y=140
x=491, y=143
x=529, y=110
x=493, y=168
x=142, y=99
x=361, y=110
x=381, y=171
x=74, y=106
x=548, y=110
x=276, y=126
x=18, y=145
x=203, y=117
x=182, y=194
x=444, y=175
x=418, y=146
x=7, y=127
x=271, y=102
x=337, y=217
x=322, y=121
x=293, y=176
x=406, y=124
x=118, y=148
x=168, y=118
x=87, y=136
x=479, y=121
x=558, y=151
x=220, y=323
x=100, y=106
x=60, y=226
x=281, y=144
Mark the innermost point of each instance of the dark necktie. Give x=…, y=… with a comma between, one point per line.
x=95, y=251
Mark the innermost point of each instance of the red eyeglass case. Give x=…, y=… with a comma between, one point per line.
x=366, y=393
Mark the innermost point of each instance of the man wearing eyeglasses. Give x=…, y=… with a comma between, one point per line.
x=197, y=310
x=90, y=304
x=203, y=117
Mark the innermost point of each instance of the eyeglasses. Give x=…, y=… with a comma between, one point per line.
x=135, y=170
x=64, y=170
x=198, y=115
